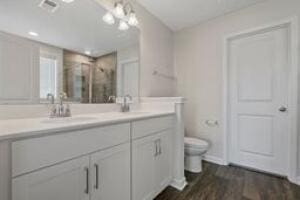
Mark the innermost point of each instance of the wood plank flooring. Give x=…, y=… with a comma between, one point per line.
x=232, y=183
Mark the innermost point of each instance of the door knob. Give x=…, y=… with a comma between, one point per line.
x=282, y=109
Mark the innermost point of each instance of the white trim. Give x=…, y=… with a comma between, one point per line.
x=179, y=184
x=214, y=159
x=292, y=23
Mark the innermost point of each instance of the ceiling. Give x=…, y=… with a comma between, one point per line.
x=75, y=26
x=179, y=14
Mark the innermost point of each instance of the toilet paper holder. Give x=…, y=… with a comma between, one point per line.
x=212, y=123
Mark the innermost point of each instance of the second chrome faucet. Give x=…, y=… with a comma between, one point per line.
x=60, y=109
x=125, y=103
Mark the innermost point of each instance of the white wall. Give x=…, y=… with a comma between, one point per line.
x=156, y=53
x=198, y=61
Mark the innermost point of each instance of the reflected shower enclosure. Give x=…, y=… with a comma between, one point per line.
x=89, y=80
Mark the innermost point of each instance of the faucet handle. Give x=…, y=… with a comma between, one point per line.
x=50, y=97
x=68, y=111
x=63, y=95
x=111, y=98
x=128, y=96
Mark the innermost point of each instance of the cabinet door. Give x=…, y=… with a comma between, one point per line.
x=143, y=153
x=163, y=161
x=110, y=171
x=66, y=181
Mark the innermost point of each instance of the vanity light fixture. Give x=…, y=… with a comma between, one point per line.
x=124, y=12
x=33, y=33
x=132, y=20
x=119, y=10
x=67, y=1
x=87, y=52
x=123, y=26
x=108, y=18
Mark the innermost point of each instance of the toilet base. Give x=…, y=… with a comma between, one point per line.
x=193, y=164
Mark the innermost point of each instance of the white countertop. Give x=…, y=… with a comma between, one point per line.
x=29, y=127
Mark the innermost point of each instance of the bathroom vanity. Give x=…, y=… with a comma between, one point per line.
x=109, y=156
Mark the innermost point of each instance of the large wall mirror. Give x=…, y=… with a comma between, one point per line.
x=52, y=46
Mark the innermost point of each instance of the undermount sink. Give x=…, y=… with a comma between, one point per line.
x=68, y=119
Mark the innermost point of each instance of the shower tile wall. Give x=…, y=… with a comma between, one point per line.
x=104, y=78
x=89, y=80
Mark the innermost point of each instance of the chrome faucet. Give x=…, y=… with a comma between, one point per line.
x=60, y=109
x=125, y=106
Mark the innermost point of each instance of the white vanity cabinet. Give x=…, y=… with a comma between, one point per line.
x=143, y=163
x=111, y=174
x=89, y=164
x=104, y=175
x=66, y=181
x=151, y=157
x=128, y=161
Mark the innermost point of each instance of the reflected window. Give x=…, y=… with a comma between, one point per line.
x=48, y=77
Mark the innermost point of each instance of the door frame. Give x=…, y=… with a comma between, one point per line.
x=292, y=25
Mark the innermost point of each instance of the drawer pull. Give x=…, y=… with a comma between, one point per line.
x=159, y=147
x=97, y=176
x=86, y=169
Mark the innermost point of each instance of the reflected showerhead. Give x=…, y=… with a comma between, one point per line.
x=99, y=69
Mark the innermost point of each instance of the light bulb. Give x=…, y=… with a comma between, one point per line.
x=119, y=10
x=33, y=33
x=123, y=26
x=132, y=21
x=108, y=18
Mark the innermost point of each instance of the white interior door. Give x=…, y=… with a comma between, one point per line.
x=129, y=78
x=258, y=97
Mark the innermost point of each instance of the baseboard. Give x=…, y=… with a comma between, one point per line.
x=179, y=184
x=214, y=159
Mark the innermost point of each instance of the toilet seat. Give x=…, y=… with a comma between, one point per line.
x=195, y=143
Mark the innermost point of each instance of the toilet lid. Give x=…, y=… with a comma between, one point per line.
x=195, y=142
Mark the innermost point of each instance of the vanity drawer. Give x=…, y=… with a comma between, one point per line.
x=36, y=153
x=147, y=127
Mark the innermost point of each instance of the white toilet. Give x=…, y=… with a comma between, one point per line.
x=194, y=150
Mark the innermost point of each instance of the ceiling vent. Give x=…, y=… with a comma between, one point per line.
x=49, y=5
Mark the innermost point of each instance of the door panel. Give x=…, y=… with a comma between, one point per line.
x=253, y=127
x=163, y=161
x=258, y=71
x=255, y=60
x=111, y=174
x=143, y=165
x=66, y=181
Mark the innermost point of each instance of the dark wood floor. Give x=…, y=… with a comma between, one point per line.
x=232, y=183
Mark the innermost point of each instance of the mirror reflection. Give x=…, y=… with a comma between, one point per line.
x=54, y=47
